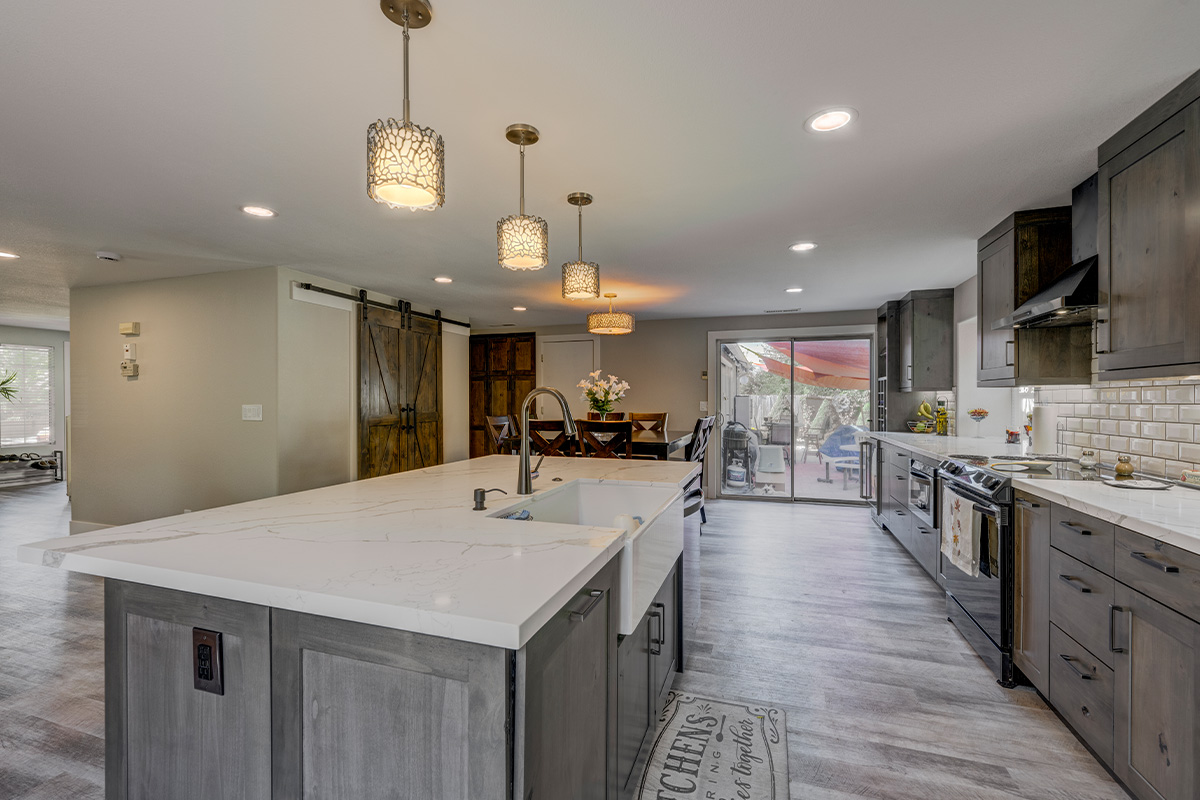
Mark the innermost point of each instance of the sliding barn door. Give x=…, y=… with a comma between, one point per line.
x=400, y=397
x=383, y=393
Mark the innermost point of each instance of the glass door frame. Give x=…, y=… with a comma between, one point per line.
x=864, y=332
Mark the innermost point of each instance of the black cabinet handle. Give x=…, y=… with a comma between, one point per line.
x=1027, y=504
x=1154, y=562
x=1075, y=583
x=657, y=640
x=597, y=595
x=1081, y=674
x=923, y=529
x=1075, y=528
x=1112, y=630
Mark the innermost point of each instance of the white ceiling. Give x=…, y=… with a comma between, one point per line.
x=142, y=126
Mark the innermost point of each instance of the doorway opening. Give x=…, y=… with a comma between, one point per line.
x=788, y=411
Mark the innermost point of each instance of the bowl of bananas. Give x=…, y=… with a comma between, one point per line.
x=929, y=422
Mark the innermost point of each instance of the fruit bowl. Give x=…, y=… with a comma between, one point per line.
x=921, y=426
x=978, y=414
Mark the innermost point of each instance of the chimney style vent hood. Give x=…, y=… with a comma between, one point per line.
x=1072, y=298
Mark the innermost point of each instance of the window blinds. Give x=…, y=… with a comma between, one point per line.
x=28, y=419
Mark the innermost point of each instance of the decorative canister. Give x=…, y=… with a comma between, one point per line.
x=1088, y=459
x=1124, y=466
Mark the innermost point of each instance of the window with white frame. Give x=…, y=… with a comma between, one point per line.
x=29, y=418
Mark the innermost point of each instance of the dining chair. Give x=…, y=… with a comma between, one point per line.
x=504, y=430
x=656, y=422
x=611, y=415
x=543, y=444
x=693, y=493
x=605, y=438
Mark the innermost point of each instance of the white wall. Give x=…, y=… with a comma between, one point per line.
x=999, y=402
x=44, y=338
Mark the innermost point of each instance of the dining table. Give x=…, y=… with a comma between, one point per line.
x=654, y=444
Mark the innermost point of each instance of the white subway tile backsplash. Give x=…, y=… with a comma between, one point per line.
x=1131, y=396
x=1155, y=395
x=1119, y=444
x=1090, y=425
x=1166, y=413
x=1141, y=412
x=1181, y=394
x=1175, y=469
x=1110, y=395
x=1118, y=412
x=1166, y=450
x=1111, y=426
x=1154, y=430
x=1141, y=447
x=1190, y=453
x=1176, y=432
x=1130, y=428
x=1189, y=413
x=1154, y=466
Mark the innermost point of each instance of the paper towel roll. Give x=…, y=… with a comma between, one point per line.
x=1045, y=430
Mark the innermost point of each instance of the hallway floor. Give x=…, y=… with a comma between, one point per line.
x=810, y=608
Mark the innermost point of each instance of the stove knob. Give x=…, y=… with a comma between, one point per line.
x=991, y=483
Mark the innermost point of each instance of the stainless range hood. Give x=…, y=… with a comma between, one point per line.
x=1070, y=300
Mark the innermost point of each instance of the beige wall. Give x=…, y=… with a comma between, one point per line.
x=44, y=338
x=663, y=360
x=456, y=386
x=173, y=438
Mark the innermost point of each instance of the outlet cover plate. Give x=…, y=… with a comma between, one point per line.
x=252, y=413
x=208, y=664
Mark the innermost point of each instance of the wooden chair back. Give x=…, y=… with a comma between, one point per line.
x=656, y=422
x=503, y=430
x=617, y=441
x=547, y=437
x=612, y=415
x=700, y=435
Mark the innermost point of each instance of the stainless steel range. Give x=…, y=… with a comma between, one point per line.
x=981, y=606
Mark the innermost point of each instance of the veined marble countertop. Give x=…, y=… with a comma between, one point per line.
x=1171, y=516
x=403, y=551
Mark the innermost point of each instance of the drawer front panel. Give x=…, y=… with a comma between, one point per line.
x=1163, y=572
x=1081, y=688
x=899, y=459
x=1080, y=598
x=1087, y=538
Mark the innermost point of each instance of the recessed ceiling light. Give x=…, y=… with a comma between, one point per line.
x=443, y=279
x=831, y=119
x=518, y=308
x=803, y=247
x=258, y=211
x=8, y=255
x=794, y=290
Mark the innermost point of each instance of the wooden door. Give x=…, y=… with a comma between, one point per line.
x=1157, y=736
x=997, y=349
x=1150, y=250
x=383, y=393
x=502, y=374
x=1031, y=642
x=423, y=422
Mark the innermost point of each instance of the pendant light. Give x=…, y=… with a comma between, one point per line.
x=616, y=322
x=580, y=279
x=406, y=164
x=523, y=241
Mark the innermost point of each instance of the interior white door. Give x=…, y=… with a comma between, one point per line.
x=563, y=364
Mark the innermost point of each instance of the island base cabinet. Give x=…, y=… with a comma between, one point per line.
x=164, y=739
x=1157, y=665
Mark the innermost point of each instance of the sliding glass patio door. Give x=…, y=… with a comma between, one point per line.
x=788, y=411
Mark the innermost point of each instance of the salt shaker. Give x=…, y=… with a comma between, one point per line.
x=1088, y=459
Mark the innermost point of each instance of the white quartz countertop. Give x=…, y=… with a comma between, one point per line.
x=1171, y=516
x=403, y=551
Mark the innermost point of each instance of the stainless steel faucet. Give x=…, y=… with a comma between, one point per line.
x=524, y=473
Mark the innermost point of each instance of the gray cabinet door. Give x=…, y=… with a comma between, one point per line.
x=1031, y=639
x=635, y=706
x=664, y=639
x=905, y=323
x=570, y=675
x=1150, y=252
x=997, y=349
x=1157, y=665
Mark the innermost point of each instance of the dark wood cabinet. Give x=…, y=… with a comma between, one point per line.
x=1023, y=254
x=1031, y=636
x=503, y=372
x=926, y=322
x=1157, y=708
x=1149, y=243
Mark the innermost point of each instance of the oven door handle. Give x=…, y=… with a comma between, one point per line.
x=918, y=474
x=990, y=511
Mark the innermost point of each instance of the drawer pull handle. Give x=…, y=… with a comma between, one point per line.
x=1154, y=562
x=1075, y=583
x=1112, y=630
x=658, y=641
x=597, y=595
x=1027, y=504
x=923, y=529
x=1076, y=529
x=1083, y=675
x=1085, y=710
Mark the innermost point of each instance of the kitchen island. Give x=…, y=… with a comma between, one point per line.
x=382, y=639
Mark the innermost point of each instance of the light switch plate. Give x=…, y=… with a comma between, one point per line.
x=252, y=413
x=703, y=406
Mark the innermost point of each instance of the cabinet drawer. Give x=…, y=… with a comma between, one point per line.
x=1082, y=689
x=1085, y=537
x=898, y=459
x=1080, y=600
x=897, y=482
x=1165, y=573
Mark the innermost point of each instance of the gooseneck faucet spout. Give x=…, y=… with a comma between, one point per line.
x=525, y=474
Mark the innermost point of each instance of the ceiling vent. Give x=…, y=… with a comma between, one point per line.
x=104, y=255
x=780, y=310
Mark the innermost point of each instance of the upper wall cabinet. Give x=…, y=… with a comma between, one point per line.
x=1149, y=266
x=926, y=322
x=1017, y=258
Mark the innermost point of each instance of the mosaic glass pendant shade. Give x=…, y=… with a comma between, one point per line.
x=522, y=240
x=610, y=322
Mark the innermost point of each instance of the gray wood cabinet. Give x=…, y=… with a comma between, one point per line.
x=1157, y=736
x=1149, y=243
x=926, y=322
x=1023, y=254
x=1031, y=636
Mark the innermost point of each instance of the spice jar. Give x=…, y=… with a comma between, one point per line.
x=1124, y=466
x=1088, y=459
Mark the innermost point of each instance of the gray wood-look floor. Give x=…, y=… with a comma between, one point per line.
x=815, y=610
x=810, y=608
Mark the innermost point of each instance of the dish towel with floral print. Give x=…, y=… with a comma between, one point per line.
x=961, y=525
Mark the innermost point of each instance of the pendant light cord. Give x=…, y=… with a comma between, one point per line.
x=522, y=180
x=406, y=117
x=580, y=233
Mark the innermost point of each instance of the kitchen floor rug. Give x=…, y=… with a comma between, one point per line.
x=716, y=749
